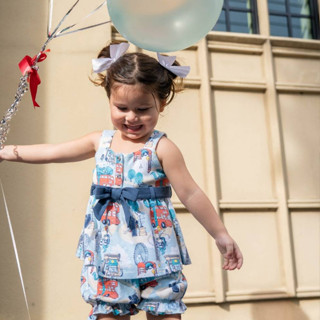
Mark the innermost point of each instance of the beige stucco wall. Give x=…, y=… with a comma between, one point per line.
x=248, y=125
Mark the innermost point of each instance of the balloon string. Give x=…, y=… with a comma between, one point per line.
x=50, y=17
x=56, y=33
x=61, y=21
x=23, y=85
x=15, y=251
x=63, y=32
x=81, y=29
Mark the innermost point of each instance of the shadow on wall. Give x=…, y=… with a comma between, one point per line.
x=278, y=310
x=23, y=33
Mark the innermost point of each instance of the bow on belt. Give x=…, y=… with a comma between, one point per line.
x=106, y=194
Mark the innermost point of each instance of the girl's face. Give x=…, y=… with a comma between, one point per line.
x=134, y=111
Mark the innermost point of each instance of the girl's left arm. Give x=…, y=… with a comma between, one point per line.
x=196, y=201
x=75, y=150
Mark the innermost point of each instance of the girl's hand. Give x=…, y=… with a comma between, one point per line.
x=231, y=253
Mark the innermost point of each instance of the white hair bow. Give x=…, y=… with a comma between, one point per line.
x=167, y=62
x=116, y=51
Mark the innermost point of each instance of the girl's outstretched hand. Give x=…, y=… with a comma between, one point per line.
x=231, y=253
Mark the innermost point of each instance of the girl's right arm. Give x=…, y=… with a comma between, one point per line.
x=196, y=201
x=75, y=150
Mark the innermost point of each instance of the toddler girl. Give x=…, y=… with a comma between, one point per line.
x=131, y=244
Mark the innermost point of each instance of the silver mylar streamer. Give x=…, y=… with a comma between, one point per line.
x=23, y=84
x=5, y=122
x=22, y=89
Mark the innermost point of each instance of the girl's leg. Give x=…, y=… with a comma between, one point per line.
x=167, y=317
x=111, y=317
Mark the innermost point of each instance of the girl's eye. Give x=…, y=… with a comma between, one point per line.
x=143, y=109
x=122, y=108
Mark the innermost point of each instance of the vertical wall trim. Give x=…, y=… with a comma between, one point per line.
x=279, y=170
x=211, y=168
x=263, y=17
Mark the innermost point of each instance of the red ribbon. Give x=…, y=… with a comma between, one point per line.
x=26, y=66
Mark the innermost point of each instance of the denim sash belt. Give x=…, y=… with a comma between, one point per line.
x=104, y=195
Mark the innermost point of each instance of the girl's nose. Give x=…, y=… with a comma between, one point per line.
x=131, y=116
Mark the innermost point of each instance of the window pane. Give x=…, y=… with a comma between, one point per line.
x=221, y=24
x=238, y=16
x=240, y=22
x=241, y=4
x=300, y=7
x=278, y=26
x=301, y=28
x=277, y=5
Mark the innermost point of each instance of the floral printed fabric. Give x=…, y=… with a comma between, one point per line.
x=158, y=295
x=111, y=253
x=158, y=248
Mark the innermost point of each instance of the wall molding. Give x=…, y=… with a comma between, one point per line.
x=199, y=297
x=192, y=82
x=307, y=292
x=234, y=37
x=258, y=86
x=304, y=204
x=283, y=87
x=295, y=53
x=257, y=294
x=235, y=48
x=250, y=205
x=305, y=44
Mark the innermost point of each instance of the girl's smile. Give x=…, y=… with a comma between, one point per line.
x=134, y=111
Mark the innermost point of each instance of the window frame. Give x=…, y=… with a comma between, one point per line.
x=226, y=9
x=314, y=17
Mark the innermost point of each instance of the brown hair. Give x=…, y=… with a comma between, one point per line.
x=139, y=68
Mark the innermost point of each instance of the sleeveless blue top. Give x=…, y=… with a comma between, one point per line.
x=157, y=248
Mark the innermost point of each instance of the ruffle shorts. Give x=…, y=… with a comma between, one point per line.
x=156, y=295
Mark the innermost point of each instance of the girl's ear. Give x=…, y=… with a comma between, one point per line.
x=163, y=104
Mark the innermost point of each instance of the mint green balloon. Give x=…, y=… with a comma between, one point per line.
x=164, y=25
